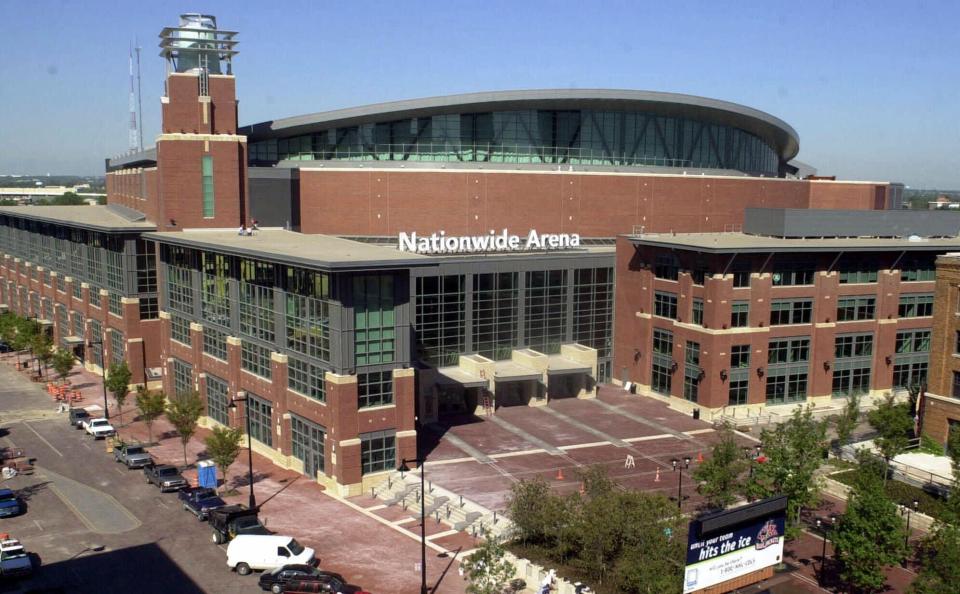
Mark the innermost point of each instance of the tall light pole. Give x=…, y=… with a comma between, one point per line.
x=103, y=384
x=246, y=411
x=686, y=465
x=909, y=512
x=418, y=461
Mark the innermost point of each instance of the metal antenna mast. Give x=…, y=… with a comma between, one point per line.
x=139, y=99
x=133, y=141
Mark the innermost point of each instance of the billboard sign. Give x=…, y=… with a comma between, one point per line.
x=729, y=554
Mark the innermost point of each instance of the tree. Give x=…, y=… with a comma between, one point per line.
x=893, y=424
x=528, y=510
x=23, y=333
x=152, y=404
x=939, y=553
x=62, y=362
x=42, y=348
x=223, y=446
x=183, y=412
x=870, y=535
x=487, y=569
x=847, y=421
x=793, y=451
x=118, y=382
x=719, y=476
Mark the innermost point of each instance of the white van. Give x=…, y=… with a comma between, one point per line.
x=247, y=552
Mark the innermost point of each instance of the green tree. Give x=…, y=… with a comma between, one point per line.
x=63, y=362
x=793, y=451
x=183, y=412
x=487, y=569
x=152, y=404
x=719, y=476
x=118, y=383
x=529, y=500
x=599, y=533
x=42, y=348
x=223, y=447
x=939, y=553
x=847, y=421
x=23, y=332
x=893, y=424
x=870, y=535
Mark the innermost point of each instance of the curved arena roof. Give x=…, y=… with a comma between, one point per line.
x=773, y=131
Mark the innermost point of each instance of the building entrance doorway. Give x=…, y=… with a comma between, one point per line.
x=456, y=400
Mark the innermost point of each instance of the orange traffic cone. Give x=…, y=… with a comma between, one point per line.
x=657, y=478
x=560, y=474
x=699, y=457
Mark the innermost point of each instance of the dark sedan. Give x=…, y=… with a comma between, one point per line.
x=275, y=580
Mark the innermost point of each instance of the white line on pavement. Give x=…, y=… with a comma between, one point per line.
x=50, y=445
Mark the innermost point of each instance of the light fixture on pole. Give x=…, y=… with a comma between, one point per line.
x=423, y=520
x=246, y=411
x=686, y=465
x=103, y=367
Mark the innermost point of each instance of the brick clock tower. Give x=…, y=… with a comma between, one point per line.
x=201, y=160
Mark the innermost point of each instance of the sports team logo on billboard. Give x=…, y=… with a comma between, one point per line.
x=441, y=243
x=726, y=556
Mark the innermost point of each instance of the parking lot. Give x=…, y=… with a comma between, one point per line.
x=98, y=527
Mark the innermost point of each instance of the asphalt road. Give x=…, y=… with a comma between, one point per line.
x=94, y=525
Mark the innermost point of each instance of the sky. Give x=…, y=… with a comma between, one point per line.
x=872, y=88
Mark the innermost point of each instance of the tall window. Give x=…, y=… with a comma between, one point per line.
x=546, y=310
x=911, y=359
x=378, y=451
x=740, y=314
x=118, y=343
x=665, y=305
x=739, y=376
x=374, y=337
x=495, y=314
x=855, y=308
x=182, y=377
x=261, y=412
x=306, y=378
x=666, y=267
x=792, y=275
x=218, y=399
x=955, y=390
x=255, y=359
x=852, y=365
x=256, y=311
x=206, y=167
x=697, y=311
x=788, y=362
x=441, y=318
x=375, y=388
x=662, y=361
x=215, y=286
x=593, y=308
x=215, y=343
x=308, y=326
x=691, y=371
x=180, y=329
x=306, y=441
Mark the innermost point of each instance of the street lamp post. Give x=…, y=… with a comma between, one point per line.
x=423, y=520
x=686, y=465
x=909, y=511
x=103, y=384
x=233, y=405
x=823, y=527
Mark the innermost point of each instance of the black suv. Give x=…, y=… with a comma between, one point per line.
x=231, y=520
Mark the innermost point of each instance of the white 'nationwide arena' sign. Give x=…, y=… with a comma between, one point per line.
x=441, y=243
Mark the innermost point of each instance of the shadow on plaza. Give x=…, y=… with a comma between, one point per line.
x=145, y=569
x=434, y=433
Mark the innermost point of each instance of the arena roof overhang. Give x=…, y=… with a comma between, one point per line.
x=772, y=130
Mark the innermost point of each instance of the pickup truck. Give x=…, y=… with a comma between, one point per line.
x=166, y=477
x=200, y=501
x=14, y=561
x=9, y=504
x=227, y=522
x=133, y=455
x=78, y=416
x=99, y=428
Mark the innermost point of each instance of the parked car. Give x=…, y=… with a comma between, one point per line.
x=233, y=520
x=133, y=455
x=14, y=560
x=165, y=476
x=329, y=584
x=248, y=552
x=9, y=504
x=276, y=579
x=5, y=348
x=78, y=416
x=200, y=501
x=99, y=428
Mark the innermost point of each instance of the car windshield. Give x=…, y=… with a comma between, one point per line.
x=295, y=547
x=247, y=522
x=7, y=497
x=12, y=554
x=168, y=471
x=136, y=450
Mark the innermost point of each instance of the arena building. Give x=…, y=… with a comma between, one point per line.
x=414, y=258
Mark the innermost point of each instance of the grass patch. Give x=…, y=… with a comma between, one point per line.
x=903, y=493
x=929, y=445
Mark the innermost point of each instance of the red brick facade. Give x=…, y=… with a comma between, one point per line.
x=944, y=408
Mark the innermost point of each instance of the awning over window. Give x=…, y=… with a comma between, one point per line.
x=560, y=365
x=508, y=371
x=457, y=375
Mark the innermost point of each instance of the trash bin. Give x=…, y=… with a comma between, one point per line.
x=696, y=413
x=25, y=365
x=207, y=474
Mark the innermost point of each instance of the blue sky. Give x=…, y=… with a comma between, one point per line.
x=871, y=87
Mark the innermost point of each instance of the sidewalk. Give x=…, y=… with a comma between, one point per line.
x=374, y=547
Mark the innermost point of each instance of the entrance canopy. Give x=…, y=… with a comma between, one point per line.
x=73, y=340
x=508, y=371
x=560, y=365
x=458, y=376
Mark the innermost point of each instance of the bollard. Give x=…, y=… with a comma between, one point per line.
x=494, y=517
x=389, y=482
x=438, y=517
x=461, y=501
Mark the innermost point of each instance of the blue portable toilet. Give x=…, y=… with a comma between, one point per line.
x=207, y=474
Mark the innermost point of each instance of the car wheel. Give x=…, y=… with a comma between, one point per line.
x=243, y=569
x=276, y=589
x=216, y=537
